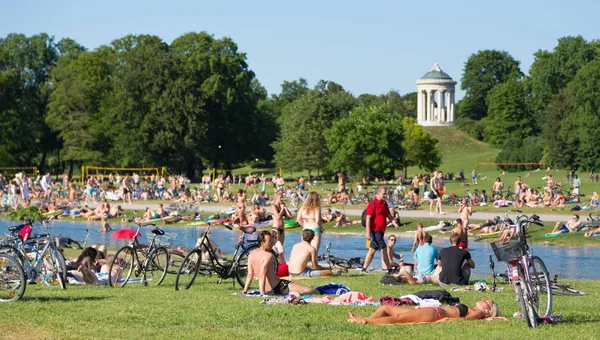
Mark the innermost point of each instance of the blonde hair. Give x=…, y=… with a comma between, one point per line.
x=494, y=309
x=312, y=202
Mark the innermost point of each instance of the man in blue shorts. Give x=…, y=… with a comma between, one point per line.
x=426, y=256
x=378, y=214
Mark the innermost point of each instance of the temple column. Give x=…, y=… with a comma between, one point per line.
x=451, y=105
x=429, y=105
x=441, y=113
x=419, y=106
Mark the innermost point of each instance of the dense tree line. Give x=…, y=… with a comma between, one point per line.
x=548, y=116
x=189, y=105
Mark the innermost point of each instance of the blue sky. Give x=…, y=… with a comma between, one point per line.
x=367, y=47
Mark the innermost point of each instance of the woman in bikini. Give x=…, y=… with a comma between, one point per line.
x=386, y=315
x=309, y=217
x=278, y=211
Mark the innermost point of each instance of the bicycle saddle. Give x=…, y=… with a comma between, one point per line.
x=17, y=227
x=158, y=231
x=247, y=229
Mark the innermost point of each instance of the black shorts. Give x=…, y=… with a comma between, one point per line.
x=416, y=191
x=282, y=287
x=377, y=240
x=125, y=191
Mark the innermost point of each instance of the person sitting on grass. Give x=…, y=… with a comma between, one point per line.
x=559, y=201
x=595, y=201
x=456, y=263
x=327, y=216
x=302, y=253
x=387, y=315
x=260, y=266
x=391, y=254
x=147, y=216
x=571, y=226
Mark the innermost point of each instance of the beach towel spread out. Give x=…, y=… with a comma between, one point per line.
x=347, y=299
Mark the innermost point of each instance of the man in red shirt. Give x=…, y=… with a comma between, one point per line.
x=378, y=215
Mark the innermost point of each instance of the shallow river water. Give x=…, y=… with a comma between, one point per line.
x=567, y=262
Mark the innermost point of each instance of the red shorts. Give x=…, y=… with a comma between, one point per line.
x=462, y=245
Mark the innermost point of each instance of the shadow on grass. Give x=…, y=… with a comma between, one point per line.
x=62, y=298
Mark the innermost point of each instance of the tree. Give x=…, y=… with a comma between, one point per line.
x=420, y=148
x=508, y=114
x=583, y=94
x=561, y=143
x=367, y=142
x=225, y=98
x=301, y=143
x=25, y=63
x=552, y=71
x=482, y=72
x=82, y=83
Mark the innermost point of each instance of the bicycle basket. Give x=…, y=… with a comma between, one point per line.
x=509, y=251
x=162, y=240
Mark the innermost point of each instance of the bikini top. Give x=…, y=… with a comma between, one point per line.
x=462, y=309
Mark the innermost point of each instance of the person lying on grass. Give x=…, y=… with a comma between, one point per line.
x=387, y=315
x=260, y=266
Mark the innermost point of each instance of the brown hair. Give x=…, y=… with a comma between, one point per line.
x=308, y=235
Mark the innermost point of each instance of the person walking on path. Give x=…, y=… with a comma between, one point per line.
x=377, y=217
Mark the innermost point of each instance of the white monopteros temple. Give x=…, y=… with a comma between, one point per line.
x=435, y=98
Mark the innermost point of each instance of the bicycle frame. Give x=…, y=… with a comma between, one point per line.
x=226, y=270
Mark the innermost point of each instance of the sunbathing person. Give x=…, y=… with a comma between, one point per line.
x=239, y=216
x=302, y=253
x=387, y=315
x=489, y=226
x=571, y=226
x=327, y=216
x=260, y=266
x=148, y=215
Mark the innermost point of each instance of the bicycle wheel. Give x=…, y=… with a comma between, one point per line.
x=175, y=261
x=156, y=266
x=188, y=270
x=542, y=288
x=122, y=263
x=510, y=197
x=53, y=270
x=294, y=200
x=241, y=271
x=524, y=295
x=12, y=279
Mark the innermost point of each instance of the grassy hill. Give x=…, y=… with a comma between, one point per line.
x=459, y=151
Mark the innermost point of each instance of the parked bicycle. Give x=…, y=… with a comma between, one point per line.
x=38, y=255
x=12, y=279
x=527, y=273
x=195, y=263
x=151, y=263
x=337, y=262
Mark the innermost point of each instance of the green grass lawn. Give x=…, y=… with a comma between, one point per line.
x=210, y=310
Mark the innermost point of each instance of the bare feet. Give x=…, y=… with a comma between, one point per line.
x=356, y=319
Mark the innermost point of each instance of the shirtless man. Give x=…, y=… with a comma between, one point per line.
x=419, y=237
x=571, y=226
x=302, y=253
x=278, y=211
x=341, y=181
x=462, y=232
x=414, y=191
x=260, y=265
x=161, y=211
x=327, y=216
